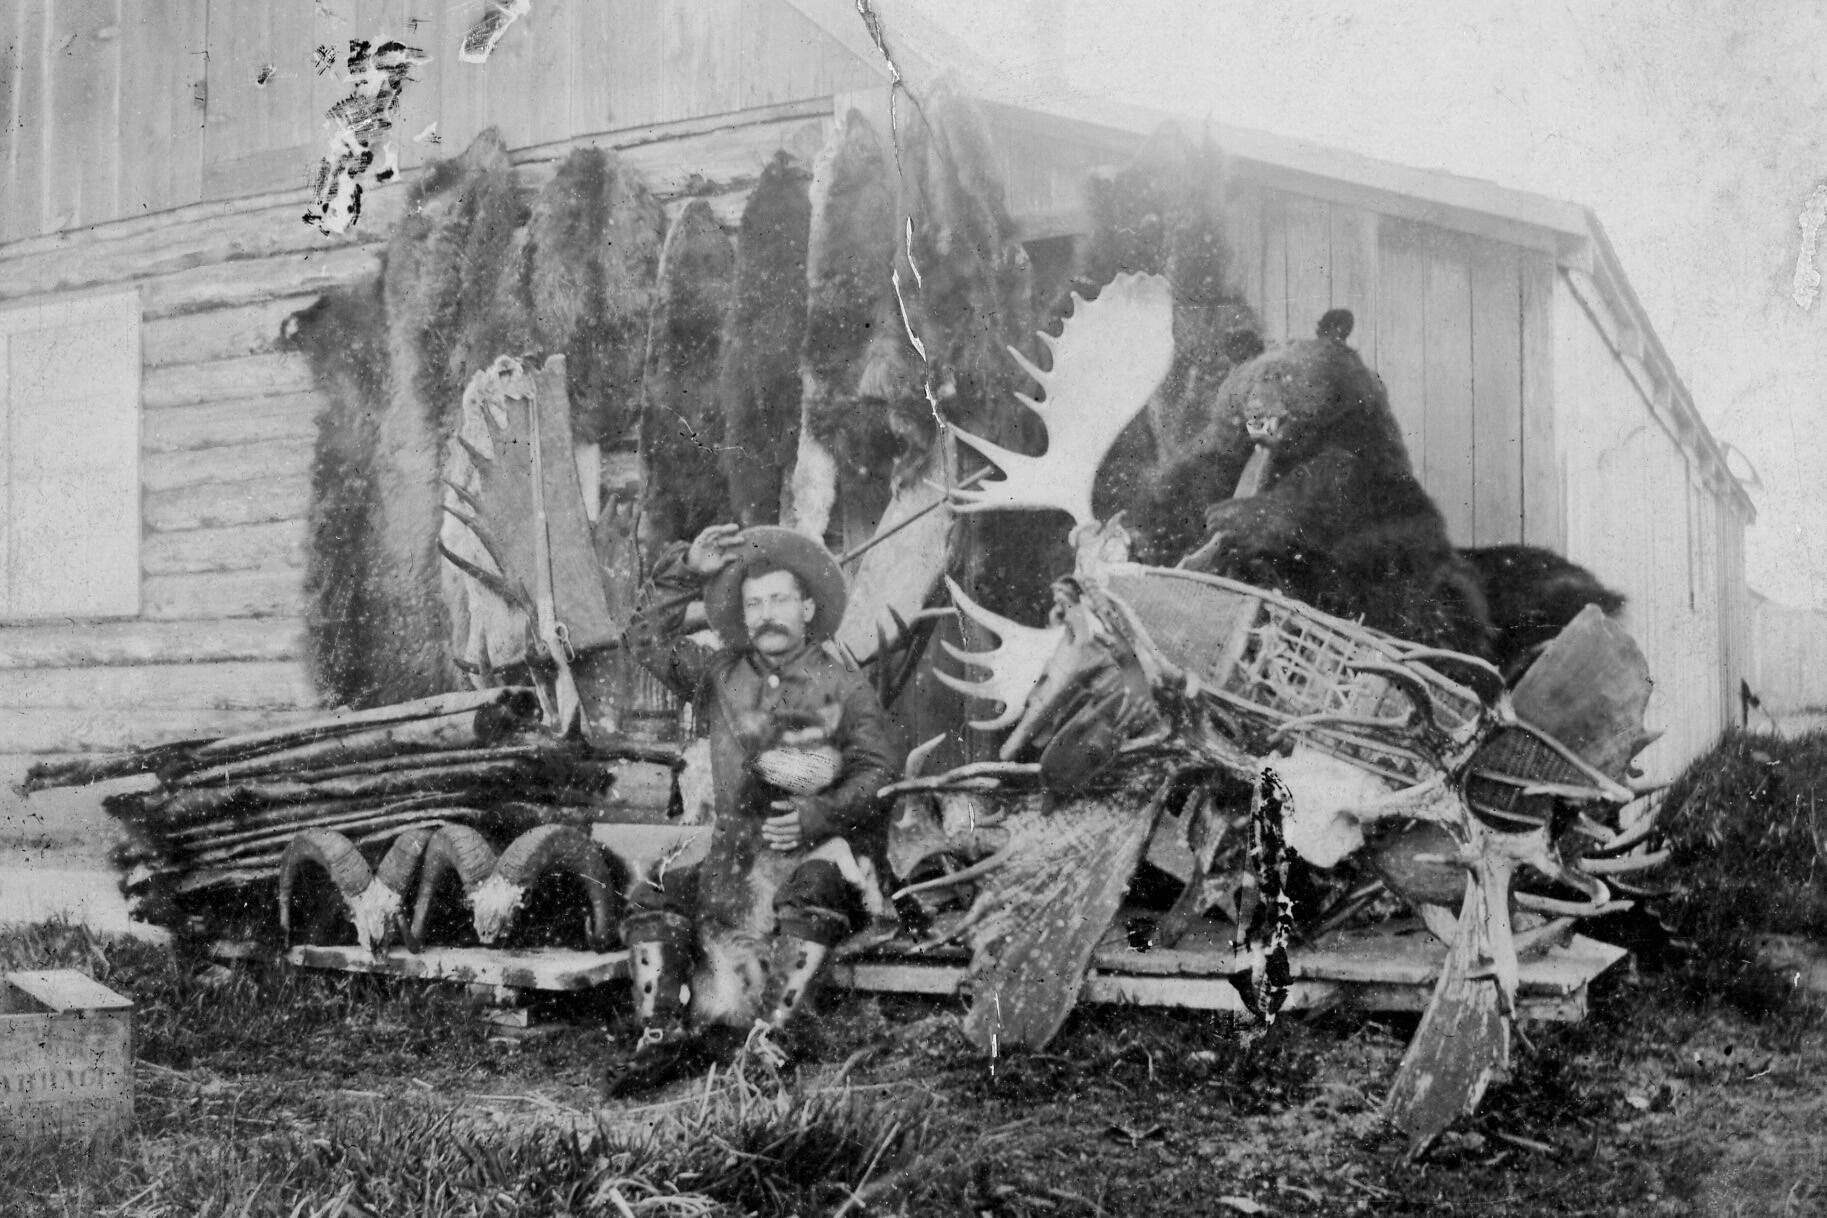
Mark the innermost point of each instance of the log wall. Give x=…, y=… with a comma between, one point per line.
x=228, y=425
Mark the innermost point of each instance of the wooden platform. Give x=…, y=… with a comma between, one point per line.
x=1380, y=970
x=546, y=968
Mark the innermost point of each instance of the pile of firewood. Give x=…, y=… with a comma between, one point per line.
x=223, y=810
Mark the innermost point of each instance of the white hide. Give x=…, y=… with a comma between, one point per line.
x=1322, y=826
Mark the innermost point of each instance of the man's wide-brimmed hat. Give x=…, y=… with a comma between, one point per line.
x=772, y=545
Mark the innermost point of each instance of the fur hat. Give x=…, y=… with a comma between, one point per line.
x=818, y=574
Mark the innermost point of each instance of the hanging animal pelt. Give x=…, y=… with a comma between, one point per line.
x=390, y=360
x=850, y=301
x=968, y=288
x=593, y=248
x=759, y=379
x=682, y=423
x=344, y=336
x=1164, y=214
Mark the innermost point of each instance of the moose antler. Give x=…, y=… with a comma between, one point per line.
x=1110, y=355
x=1015, y=666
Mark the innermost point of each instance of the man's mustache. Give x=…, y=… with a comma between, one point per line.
x=770, y=628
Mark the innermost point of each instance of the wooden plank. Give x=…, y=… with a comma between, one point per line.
x=546, y=30
x=279, y=545
x=1446, y=462
x=263, y=171
x=1544, y=514
x=33, y=119
x=85, y=139
x=42, y=730
x=141, y=642
x=1497, y=426
x=189, y=100
x=1402, y=339
x=291, y=120
x=545, y=968
x=236, y=283
x=1307, y=225
x=216, y=334
x=216, y=594
x=250, y=376
x=1274, y=307
x=152, y=78
x=264, y=459
x=291, y=416
x=238, y=685
x=510, y=93
x=219, y=504
x=234, y=111
x=1354, y=274
x=59, y=990
x=594, y=38
x=1244, y=223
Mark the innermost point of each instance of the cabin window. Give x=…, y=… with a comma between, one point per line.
x=69, y=459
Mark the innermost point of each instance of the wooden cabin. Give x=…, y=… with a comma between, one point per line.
x=158, y=443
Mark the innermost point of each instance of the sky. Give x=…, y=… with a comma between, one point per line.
x=1691, y=127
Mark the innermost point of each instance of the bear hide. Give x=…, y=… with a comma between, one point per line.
x=1340, y=521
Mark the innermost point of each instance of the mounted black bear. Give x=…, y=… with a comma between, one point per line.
x=1337, y=517
x=1339, y=520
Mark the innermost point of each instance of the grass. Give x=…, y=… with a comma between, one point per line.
x=1695, y=1086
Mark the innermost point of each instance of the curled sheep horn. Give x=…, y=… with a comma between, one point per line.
x=457, y=848
x=382, y=905
x=563, y=848
x=339, y=858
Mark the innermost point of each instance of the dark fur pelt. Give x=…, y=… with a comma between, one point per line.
x=593, y=248
x=391, y=359
x=1532, y=594
x=436, y=255
x=1341, y=522
x=969, y=293
x=343, y=335
x=1164, y=214
x=759, y=379
x=850, y=306
x=684, y=490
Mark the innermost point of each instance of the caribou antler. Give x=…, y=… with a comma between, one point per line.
x=1015, y=666
x=1110, y=355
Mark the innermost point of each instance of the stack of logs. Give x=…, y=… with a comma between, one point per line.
x=222, y=810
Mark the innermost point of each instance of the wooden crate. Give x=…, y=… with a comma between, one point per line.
x=66, y=1058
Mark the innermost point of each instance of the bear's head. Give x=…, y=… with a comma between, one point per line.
x=1299, y=395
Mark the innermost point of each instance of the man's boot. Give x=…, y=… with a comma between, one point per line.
x=777, y=1035
x=659, y=966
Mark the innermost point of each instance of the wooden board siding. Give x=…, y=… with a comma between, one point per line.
x=1464, y=351
x=1628, y=477
x=130, y=107
x=228, y=424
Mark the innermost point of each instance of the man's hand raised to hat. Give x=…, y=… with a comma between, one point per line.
x=714, y=549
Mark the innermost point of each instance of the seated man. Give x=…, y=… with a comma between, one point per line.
x=799, y=747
